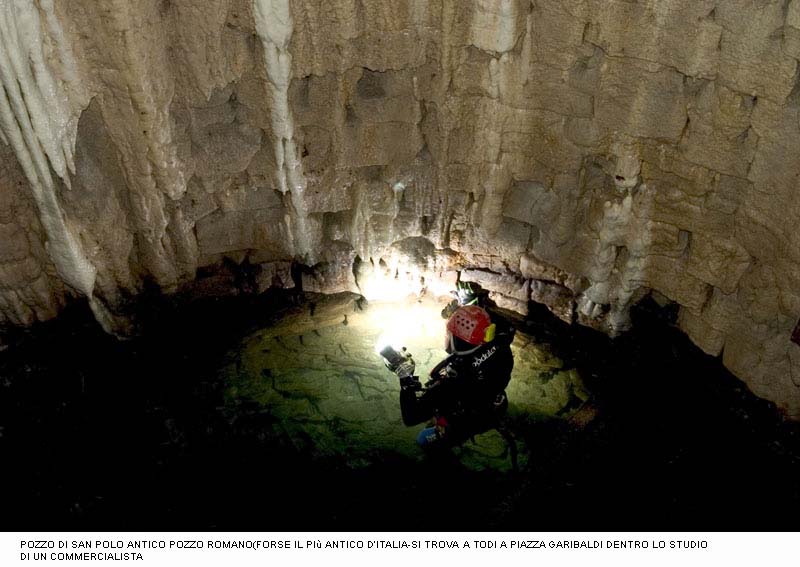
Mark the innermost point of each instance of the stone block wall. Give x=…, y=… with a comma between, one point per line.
x=580, y=153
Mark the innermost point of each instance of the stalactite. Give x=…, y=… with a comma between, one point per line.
x=37, y=122
x=487, y=129
x=274, y=26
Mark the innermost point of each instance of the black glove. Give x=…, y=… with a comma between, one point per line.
x=440, y=373
x=410, y=382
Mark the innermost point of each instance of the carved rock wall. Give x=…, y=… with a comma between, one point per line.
x=579, y=153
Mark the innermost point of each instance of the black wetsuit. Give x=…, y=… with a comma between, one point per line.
x=465, y=389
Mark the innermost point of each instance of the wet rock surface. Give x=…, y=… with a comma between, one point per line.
x=625, y=147
x=146, y=434
x=318, y=375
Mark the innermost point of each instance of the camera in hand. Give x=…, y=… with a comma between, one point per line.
x=393, y=358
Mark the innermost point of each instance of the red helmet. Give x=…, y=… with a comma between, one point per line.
x=470, y=324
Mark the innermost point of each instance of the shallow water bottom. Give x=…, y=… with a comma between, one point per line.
x=271, y=413
x=317, y=375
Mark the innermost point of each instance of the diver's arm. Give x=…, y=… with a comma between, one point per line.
x=418, y=404
x=415, y=406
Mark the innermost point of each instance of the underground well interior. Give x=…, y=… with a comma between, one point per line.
x=211, y=212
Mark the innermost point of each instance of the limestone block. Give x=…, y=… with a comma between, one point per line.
x=719, y=135
x=245, y=198
x=417, y=252
x=327, y=276
x=524, y=200
x=510, y=238
x=793, y=14
x=378, y=196
x=13, y=243
x=509, y=285
x=393, y=40
x=778, y=128
x=201, y=29
x=718, y=262
x=791, y=33
x=225, y=149
x=665, y=164
x=582, y=131
x=220, y=232
x=473, y=75
x=274, y=275
x=709, y=339
x=531, y=136
x=751, y=58
x=15, y=312
x=727, y=194
x=557, y=33
x=682, y=199
x=531, y=267
x=770, y=367
x=726, y=311
x=764, y=301
x=197, y=202
x=544, y=88
x=491, y=262
x=476, y=140
x=385, y=97
x=393, y=50
x=379, y=143
x=18, y=274
x=669, y=276
x=329, y=192
x=658, y=238
x=315, y=148
x=641, y=99
x=311, y=96
x=680, y=34
x=496, y=24
x=559, y=299
x=509, y=303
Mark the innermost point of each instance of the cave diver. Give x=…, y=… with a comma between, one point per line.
x=466, y=293
x=466, y=391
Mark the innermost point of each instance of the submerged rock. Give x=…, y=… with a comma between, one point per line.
x=331, y=395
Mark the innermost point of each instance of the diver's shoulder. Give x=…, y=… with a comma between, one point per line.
x=504, y=328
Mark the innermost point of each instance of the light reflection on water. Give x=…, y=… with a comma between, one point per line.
x=317, y=373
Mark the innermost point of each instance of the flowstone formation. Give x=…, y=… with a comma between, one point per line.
x=317, y=376
x=578, y=153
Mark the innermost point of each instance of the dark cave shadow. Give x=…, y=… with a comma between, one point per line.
x=107, y=435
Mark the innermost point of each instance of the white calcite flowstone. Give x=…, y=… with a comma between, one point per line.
x=581, y=154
